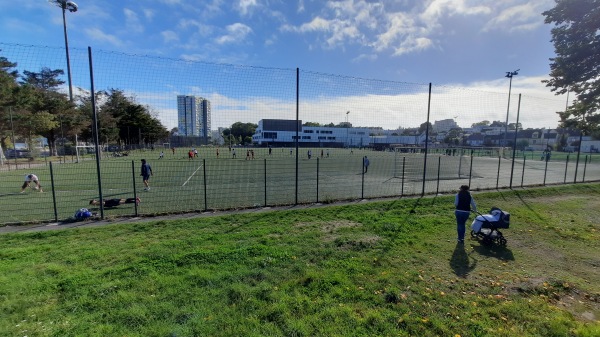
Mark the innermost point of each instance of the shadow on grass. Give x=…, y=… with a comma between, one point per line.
x=495, y=251
x=461, y=262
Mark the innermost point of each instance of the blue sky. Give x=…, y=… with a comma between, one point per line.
x=455, y=43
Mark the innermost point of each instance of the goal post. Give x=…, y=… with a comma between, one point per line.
x=81, y=150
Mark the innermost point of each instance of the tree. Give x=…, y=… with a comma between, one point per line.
x=311, y=124
x=241, y=131
x=512, y=126
x=482, y=123
x=39, y=95
x=575, y=67
x=423, y=127
x=8, y=85
x=497, y=124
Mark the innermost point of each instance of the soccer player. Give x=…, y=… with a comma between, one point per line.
x=31, y=178
x=115, y=202
x=146, y=173
x=162, y=154
x=366, y=164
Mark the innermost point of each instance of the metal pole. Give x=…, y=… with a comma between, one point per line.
x=95, y=131
x=523, y=171
x=498, y=175
x=578, y=153
x=507, y=108
x=403, y=166
x=53, y=193
x=317, y=179
x=134, y=189
x=566, y=167
x=426, y=140
x=585, y=167
x=67, y=50
x=205, y=196
x=297, y=125
x=471, y=169
x=362, y=189
x=545, y=171
x=265, y=176
x=512, y=168
x=437, y=189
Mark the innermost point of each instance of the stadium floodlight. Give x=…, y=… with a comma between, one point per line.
x=71, y=7
x=347, y=126
x=510, y=75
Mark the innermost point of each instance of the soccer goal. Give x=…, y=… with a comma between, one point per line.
x=82, y=150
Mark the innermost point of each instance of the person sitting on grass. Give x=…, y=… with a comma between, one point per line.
x=115, y=202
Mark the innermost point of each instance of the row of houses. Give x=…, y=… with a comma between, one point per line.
x=279, y=132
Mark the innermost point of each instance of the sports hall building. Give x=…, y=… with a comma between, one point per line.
x=282, y=132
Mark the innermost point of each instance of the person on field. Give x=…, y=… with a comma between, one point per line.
x=146, y=173
x=464, y=204
x=31, y=178
x=115, y=202
x=190, y=155
x=161, y=155
x=366, y=164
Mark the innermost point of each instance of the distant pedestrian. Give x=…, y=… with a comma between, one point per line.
x=365, y=164
x=291, y=152
x=252, y=154
x=321, y=153
x=217, y=153
x=190, y=155
x=464, y=203
x=31, y=178
x=270, y=149
x=309, y=154
x=195, y=153
x=327, y=153
x=146, y=173
x=247, y=154
x=161, y=155
x=173, y=149
x=233, y=153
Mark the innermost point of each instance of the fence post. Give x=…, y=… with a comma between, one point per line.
x=585, y=167
x=498, y=175
x=53, y=193
x=437, y=189
x=471, y=169
x=545, y=170
x=426, y=140
x=317, y=179
x=566, y=168
x=265, y=174
x=204, y=170
x=523, y=171
x=134, y=188
x=403, y=165
x=362, y=169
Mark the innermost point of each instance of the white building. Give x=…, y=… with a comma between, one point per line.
x=444, y=125
x=283, y=132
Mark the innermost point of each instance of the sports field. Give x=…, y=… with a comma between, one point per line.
x=209, y=182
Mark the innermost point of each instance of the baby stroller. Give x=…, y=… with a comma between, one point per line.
x=485, y=226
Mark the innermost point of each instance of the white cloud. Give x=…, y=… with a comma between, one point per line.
x=169, y=36
x=300, y=8
x=149, y=13
x=244, y=7
x=235, y=33
x=132, y=21
x=201, y=28
x=99, y=35
x=521, y=17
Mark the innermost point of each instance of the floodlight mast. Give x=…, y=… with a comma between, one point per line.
x=510, y=75
x=71, y=7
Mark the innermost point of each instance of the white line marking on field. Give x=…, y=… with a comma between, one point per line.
x=188, y=179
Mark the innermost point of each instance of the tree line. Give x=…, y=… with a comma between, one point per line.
x=32, y=106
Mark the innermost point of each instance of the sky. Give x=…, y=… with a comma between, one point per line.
x=461, y=44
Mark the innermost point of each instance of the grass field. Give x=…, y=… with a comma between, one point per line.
x=367, y=269
x=211, y=183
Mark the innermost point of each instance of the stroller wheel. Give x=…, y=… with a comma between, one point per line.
x=502, y=241
x=473, y=234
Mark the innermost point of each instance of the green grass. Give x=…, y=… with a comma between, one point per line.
x=368, y=269
x=211, y=183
